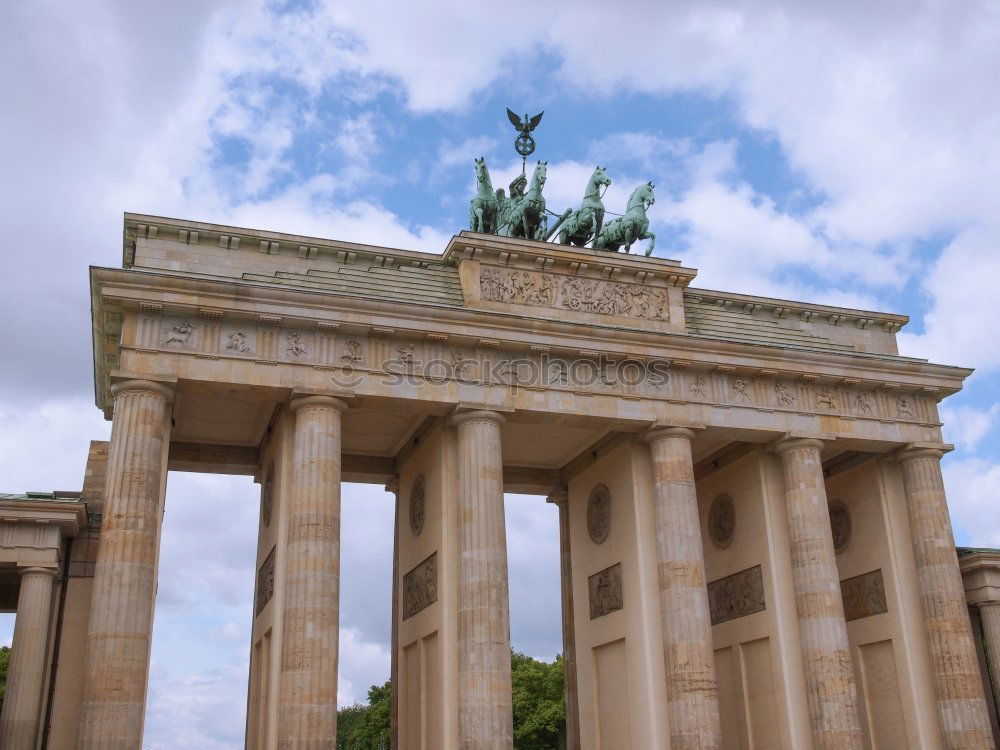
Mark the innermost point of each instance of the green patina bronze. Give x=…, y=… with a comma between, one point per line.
x=483, y=211
x=581, y=226
x=631, y=227
x=523, y=214
x=524, y=144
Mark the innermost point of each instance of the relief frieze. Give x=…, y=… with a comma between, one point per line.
x=265, y=583
x=606, y=594
x=178, y=334
x=573, y=293
x=420, y=587
x=863, y=595
x=386, y=359
x=736, y=595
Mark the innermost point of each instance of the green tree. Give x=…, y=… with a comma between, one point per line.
x=537, y=696
x=536, y=692
x=4, y=663
x=366, y=727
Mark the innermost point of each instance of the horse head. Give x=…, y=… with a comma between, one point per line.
x=642, y=196
x=541, y=170
x=482, y=172
x=600, y=177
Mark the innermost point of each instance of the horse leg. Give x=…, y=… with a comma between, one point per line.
x=651, y=236
x=477, y=225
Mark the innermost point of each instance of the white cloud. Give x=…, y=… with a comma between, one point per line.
x=963, y=322
x=973, y=486
x=966, y=426
x=43, y=445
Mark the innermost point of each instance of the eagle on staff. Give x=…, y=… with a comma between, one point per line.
x=525, y=144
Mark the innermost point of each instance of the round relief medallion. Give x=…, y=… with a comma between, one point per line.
x=267, y=495
x=840, y=525
x=417, y=506
x=599, y=514
x=722, y=520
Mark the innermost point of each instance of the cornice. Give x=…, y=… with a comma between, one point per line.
x=186, y=231
x=805, y=311
x=566, y=259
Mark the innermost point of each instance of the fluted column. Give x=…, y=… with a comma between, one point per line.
x=310, y=613
x=124, y=588
x=958, y=686
x=394, y=686
x=26, y=672
x=989, y=615
x=560, y=499
x=692, y=693
x=826, y=658
x=484, y=700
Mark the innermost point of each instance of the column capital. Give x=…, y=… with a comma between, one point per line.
x=393, y=486
x=38, y=570
x=331, y=402
x=791, y=443
x=914, y=451
x=660, y=431
x=558, y=497
x=166, y=390
x=476, y=415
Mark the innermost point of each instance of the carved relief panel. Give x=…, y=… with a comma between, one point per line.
x=606, y=594
x=573, y=293
x=265, y=583
x=864, y=595
x=420, y=587
x=736, y=595
x=239, y=340
x=178, y=334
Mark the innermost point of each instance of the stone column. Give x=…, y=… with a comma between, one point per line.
x=393, y=487
x=826, y=658
x=484, y=700
x=958, y=686
x=124, y=588
x=560, y=498
x=692, y=693
x=989, y=615
x=310, y=613
x=26, y=672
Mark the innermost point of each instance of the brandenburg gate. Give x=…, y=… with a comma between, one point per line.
x=756, y=549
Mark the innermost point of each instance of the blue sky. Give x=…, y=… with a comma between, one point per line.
x=843, y=153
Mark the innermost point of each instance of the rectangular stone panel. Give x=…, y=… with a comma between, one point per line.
x=411, y=732
x=880, y=685
x=265, y=583
x=731, y=709
x=863, y=595
x=736, y=595
x=420, y=587
x=606, y=591
x=762, y=703
x=433, y=691
x=521, y=287
x=614, y=720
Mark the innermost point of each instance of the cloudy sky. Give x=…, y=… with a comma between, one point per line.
x=836, y=152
